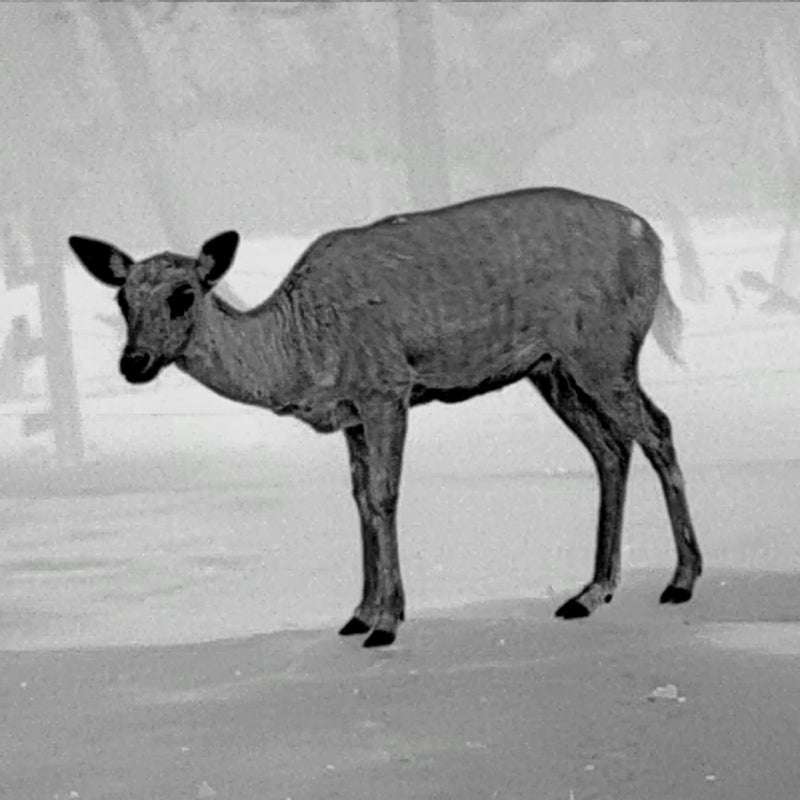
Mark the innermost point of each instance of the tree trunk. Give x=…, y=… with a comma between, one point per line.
x=39, y=182
x=693, y=283
x=368, y=107
x=144, y=126
x=145, y=129
x=421, y=135
x=47, y=240
x=779, y=62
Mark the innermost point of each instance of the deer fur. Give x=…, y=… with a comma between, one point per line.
x=547, y=285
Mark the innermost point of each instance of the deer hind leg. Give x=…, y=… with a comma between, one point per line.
x=654, y=435
x=376, y=451
x=610, y=449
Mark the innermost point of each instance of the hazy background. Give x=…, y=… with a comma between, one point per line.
x=163, y=512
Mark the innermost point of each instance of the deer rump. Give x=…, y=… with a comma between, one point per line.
x=464, y=300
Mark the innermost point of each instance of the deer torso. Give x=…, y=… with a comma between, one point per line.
x=462, y=300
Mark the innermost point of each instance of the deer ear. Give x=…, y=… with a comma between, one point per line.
x=104, y=261
x=216, y=257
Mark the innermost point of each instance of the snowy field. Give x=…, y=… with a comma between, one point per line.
x=196, y=519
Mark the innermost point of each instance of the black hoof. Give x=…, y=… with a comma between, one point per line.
x=379, y=638
x=675, y=595
x=353, y=626
x=572, y=609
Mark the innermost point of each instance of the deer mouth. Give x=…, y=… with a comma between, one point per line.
x=138, y=366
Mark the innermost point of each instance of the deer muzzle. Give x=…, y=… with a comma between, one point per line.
x=138, y=366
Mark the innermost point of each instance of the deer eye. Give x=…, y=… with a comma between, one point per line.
x=180, y=301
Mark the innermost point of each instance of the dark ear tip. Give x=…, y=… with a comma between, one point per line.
x=80, y=245
x=225, y=241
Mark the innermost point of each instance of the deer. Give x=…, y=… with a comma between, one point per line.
x=546, y=285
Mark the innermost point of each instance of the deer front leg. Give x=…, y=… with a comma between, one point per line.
x=376, y=452
x=363, y=617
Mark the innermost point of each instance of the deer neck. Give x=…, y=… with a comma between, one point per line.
x=239, y=355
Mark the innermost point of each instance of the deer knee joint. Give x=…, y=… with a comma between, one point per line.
x=675, y=478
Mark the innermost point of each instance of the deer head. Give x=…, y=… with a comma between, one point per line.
x=160, y=297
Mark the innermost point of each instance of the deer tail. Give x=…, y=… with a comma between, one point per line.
x=668, y=324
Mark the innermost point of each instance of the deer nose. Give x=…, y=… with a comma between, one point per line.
x=134, y=363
